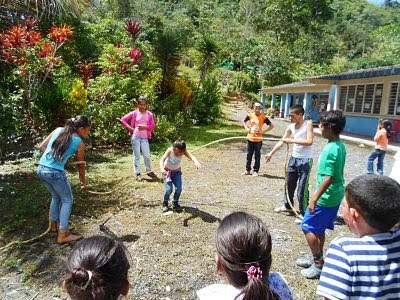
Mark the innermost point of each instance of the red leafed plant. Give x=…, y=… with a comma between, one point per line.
x=61, y=34
x=87, y=71
x=136, y=55
x=133, y=28
x=32, y=55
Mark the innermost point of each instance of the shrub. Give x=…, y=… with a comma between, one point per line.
x=106, y=126
x=76, y=101
x=206, y=102
x=165, y=130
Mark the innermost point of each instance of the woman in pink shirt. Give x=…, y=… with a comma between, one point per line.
x=381, y=139
x=140, y=123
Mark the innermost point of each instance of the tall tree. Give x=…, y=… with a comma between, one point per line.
x=208, y=50
x=168, y=49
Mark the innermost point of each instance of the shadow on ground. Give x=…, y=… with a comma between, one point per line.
x=197, y=213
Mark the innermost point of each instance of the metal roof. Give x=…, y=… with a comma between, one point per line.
x=296, y=86
x=366, y=73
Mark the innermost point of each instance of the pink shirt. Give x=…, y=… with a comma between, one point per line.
x=381, y=139
x=135, y=119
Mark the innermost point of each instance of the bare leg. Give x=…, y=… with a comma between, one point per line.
x=316, y=244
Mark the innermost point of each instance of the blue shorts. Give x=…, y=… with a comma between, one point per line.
x=322, y=219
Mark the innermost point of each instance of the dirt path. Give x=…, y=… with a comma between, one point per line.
x=173, y=256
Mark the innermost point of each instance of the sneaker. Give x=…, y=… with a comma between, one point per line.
x=138, y=177
x=165, y=207
x=176, y=206
x=304, y=262
x=151, y=174
x=246, y=173
x=282, y=209
x=255, y=174
x=313, y=272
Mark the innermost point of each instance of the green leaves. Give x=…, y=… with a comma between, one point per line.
x=208, y=50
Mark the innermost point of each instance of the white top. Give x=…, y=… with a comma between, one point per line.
x=173, y=163
x=300, y=151
x=227, y=292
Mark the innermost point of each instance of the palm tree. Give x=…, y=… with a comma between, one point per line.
x=15, y=9
x=208, y=50
x=168, y=49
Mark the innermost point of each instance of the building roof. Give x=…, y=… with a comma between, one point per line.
x=366, y=73
x=301, y=86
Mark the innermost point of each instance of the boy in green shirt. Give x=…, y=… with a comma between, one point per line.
x=324, y=205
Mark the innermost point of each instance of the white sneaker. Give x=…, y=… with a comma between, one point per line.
x=297, y=221
x=281, y=209
x=246, y=173
x=255, y=174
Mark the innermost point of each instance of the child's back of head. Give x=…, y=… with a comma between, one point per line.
x=334, y=119
x=377, y=199
x=244, y=254
x=97, y=269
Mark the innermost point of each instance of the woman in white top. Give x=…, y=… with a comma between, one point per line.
x=244, y=246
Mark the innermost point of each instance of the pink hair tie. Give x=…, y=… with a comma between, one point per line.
x=254, y=272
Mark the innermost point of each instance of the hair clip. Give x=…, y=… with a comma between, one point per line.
x=254, y=272
x=90, y=275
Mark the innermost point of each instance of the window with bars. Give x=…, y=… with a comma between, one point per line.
x=363, y=98
x=394, y=101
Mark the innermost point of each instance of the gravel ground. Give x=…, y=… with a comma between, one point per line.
x=173, y=256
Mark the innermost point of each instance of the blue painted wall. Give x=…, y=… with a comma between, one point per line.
x=367, y=126
x=361, y=125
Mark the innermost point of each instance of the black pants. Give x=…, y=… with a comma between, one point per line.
x=253, y=148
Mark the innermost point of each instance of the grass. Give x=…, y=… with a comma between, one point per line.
x=197, y=136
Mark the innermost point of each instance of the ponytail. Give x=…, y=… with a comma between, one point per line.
x=257, y=287
x=81, y=284
x=388, y=127
x=62, y=142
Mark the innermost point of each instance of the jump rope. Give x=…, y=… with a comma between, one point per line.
x=194, y=150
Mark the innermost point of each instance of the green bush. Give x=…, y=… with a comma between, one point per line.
x=106, y=126
x=206, y=106
x=165, y=132
x=47, y=106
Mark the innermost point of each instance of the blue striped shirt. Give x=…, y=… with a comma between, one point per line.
x=362, y=268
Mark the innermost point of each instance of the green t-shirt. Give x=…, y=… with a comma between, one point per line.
x=331, y=163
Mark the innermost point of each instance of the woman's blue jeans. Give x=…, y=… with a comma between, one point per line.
x=140, y=146
x=57, y=184
x=176, y=180
x=380, y=154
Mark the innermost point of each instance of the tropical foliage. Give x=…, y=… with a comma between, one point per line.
x=71, y=57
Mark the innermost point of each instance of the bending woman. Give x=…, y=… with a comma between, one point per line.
x=58, y=147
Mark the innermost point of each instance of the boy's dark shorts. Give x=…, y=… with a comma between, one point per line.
x=323, y=219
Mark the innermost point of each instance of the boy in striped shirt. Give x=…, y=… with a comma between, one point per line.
x=366, y=266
